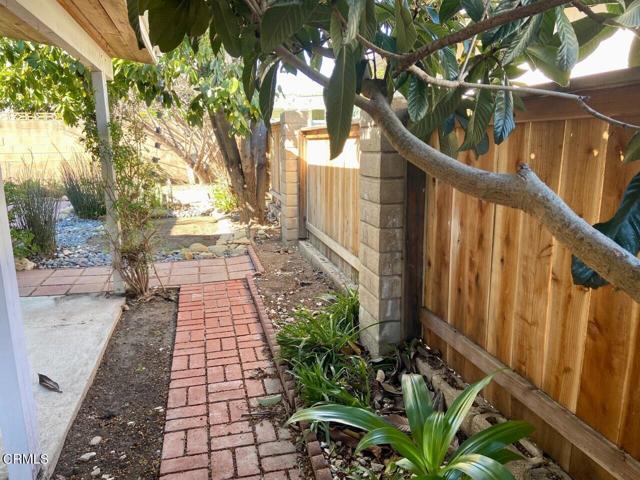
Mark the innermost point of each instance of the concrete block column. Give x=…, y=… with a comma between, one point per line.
x=382, y=196
x=290, y=124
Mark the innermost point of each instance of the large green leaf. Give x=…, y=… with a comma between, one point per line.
x=623, y=228
x=460, y=407
x=503, y=121
x=569, y=48
x=494, y=438
x=351, y=416
x=226, y=26
x=400, y=442
x=477, y=127
x=544, y=58
x=417, y=403
x=434, y=440
x=479, y=467
x=268, y=92
x=405, y=31
x=448, y=9
x=631, y=16
x=417, y=99
x=337, y=37
x=590, y=34
x=356, y=9
x=474, y=8
x=168, y=23
x=443, y=109
x=368, y=21
x=339, y=97
x=522, y=40
x=281, y=21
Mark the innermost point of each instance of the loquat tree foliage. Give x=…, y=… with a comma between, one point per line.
x=455, y=62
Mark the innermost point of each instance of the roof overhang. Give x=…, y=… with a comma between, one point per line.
x=92, y=31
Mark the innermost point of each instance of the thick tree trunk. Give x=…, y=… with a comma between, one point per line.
x=243, y=165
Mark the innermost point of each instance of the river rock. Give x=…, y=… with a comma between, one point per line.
x=87, y=456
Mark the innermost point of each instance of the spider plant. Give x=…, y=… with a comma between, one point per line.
x=425, y=450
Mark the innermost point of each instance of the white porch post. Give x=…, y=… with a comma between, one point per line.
x=17, y=405
x=99, y=82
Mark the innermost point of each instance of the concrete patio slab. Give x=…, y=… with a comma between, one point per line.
x=66, y=337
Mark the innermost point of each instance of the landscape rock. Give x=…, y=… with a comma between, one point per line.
x=24, y=264
x=95, y=472
x=198, y=247
x=187, y=254
x=95, y=440
x=218, y=249
x=87, y=456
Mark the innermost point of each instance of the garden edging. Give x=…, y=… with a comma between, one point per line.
x=319, y=464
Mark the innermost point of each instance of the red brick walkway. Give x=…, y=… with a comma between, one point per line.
x=64, y=281
x=221, y=367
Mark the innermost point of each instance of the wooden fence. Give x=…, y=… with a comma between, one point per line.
x=330, y=193
x=496, y=287
x=496, y=277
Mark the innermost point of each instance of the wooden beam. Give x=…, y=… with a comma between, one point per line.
x=594, y=445
x=60, y=29
x=334, y=246
x=17, y=405
x=99, y=84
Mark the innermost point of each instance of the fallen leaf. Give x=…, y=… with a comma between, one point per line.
x=49, y=384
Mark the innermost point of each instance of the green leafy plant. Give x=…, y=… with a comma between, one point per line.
x=82, y=183
x=223, y=198
x=34, y=216
x=425, y=451
x=135, y=199
x=21, y=240
x=321, y=349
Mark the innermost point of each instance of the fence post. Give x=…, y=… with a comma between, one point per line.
x=290, y=124
x=382, y=195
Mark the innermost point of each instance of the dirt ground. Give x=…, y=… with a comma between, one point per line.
x=177, y=233
x=289, y=281
x=125, y=404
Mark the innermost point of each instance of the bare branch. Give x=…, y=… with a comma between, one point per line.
x=580, y=100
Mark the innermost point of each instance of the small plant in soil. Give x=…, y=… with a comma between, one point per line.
x=82, y=182
x=426, y=451
x=22, y=241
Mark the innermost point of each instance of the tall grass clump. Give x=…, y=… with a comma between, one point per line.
x=35, y=207
x=82, y=182
x=323, y=354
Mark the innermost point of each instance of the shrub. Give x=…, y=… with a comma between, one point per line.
x=224, y=199
x=35, y=213
x=82, y=182
x=425, y=450
x=134, y=200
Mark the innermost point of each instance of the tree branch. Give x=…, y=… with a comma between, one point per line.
x=580, y=100
x=599, y=18
x=408, y=59
x=523, y=190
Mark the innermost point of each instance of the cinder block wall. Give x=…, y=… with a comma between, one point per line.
x=382, y=195
x=381, y=249
x=290, y=124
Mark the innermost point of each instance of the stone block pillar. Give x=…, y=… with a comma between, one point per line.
x=382, y=196
x=290, y=124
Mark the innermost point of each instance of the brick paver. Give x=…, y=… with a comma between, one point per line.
x=64, y=281
x=221, y=367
